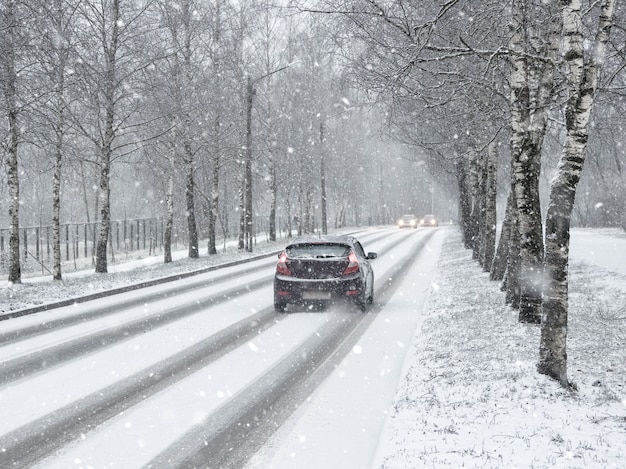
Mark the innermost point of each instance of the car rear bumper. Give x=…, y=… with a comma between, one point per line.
x=294, y=290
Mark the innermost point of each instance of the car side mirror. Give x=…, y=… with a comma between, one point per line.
x=372, y=255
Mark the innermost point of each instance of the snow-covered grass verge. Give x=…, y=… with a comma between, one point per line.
x=137, y=268
x=471, y=396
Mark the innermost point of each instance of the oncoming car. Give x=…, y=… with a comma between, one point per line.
x=429, y=220
x=314, y=270
x=407, y=221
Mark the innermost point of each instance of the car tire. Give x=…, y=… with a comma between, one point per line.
x=362, y=302
x=279, y=307
x=370, y=298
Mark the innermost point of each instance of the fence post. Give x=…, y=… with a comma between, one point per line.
x=38, y=241
x=48, y=242
x=93, y=240
x=77, y=240
x=25, y=237
x=152, y=249
x=67, y=242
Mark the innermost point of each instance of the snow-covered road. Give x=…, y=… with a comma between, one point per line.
x=340, y=425
x=145, y=391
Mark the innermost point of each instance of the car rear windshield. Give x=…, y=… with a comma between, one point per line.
x=317, y=251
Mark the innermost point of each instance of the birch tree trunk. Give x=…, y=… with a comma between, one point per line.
x=582, y=80
x=489, y=238
x=242, y=213
x=169, y=217
x=186, y=118
x=61, y=56
x=247, y=167
x=215, y=188
x=465, y=204
x=190, y=202
x=273, y=193
x=10, y=96
x=110, y=54
x=512, y=273
x=271, y=156
x=498, y=266
x=475, y=214
x=531, y=95
x=217, y=147
x=481, y=168
x=56, y=179
x=179, y=18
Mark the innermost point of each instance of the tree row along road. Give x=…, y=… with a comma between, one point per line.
x=127, y=356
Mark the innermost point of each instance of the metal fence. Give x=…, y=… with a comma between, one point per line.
x=79, y=240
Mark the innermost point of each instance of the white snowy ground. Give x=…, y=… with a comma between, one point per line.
x=470, y=395
x=461, y=367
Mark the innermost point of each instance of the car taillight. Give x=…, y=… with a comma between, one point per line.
x=353, y=264
x=281, y=267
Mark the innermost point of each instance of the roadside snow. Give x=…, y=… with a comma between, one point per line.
x=471, y=396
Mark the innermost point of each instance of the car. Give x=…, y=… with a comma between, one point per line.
x=321, y=270
x=429, y=220
x=407, y=221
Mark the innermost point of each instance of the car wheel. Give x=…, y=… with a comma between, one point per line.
x=279, y=307
x=363, y=301
x=370, y=297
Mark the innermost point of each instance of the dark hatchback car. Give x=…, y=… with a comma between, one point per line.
x=315, y=270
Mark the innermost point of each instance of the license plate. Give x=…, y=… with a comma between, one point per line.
x=316, y=295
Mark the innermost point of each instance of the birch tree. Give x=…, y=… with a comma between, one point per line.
x=218, y=98
x=110, y=61
x=169, y=202
x=582, y=72
x=183, y=25
x=9, y=50
x=110, y=44
x=101, y=81
x=532, y=76
x=56, y=35
x=490, y=221
x=270, y=31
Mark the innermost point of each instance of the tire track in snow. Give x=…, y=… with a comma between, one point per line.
x=231, y=435
x=36, y=440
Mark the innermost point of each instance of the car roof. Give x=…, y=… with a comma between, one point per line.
x=311, y=239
